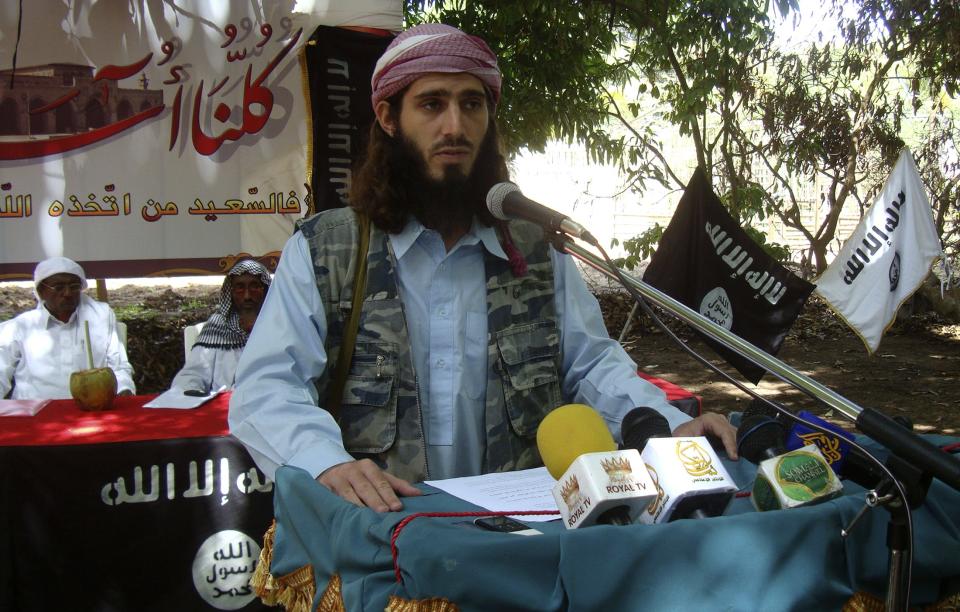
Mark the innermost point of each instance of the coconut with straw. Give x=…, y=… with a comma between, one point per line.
x=93, y=388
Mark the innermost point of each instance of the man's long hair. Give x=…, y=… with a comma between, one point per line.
x=391, y=182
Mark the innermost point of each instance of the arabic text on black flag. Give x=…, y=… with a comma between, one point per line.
x=339, y=65
x=708, y=262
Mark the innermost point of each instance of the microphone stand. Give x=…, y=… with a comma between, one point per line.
x=914, y=459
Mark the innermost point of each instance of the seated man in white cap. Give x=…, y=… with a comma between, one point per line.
x=39, y=349
x=212, y=362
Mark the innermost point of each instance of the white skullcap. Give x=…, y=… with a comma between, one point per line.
x=58, y=265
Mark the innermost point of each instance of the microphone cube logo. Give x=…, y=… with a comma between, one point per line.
x=596, y=483
x=617, y=468
x=798, y=478
x=570, y=492
x=657, y=506
x=689, y=479
x=695, y=459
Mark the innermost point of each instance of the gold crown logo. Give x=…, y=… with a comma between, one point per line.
x=570, y=491
x=828, y=445
x=617, y=468
x=695, y=459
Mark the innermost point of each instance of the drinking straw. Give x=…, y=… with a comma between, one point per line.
x=86, y=330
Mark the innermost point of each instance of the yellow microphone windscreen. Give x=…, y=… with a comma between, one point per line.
x=568, y=432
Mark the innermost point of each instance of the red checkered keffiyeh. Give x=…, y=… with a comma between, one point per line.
x=433, y=47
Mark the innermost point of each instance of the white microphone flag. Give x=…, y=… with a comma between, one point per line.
x=886, y=258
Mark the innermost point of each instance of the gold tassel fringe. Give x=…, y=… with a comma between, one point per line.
x=437, y=604
x=293, y=591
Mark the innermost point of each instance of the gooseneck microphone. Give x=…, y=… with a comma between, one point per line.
x=691, y=481
x=505, y=202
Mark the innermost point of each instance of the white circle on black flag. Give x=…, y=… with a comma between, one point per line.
x=223, y=567
x=717, y=307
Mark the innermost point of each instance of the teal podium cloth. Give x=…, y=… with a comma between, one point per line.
x=744, y=560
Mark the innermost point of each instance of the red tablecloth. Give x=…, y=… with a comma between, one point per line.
x=60, y=422
x=678, y=396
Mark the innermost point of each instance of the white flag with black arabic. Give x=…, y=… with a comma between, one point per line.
x=886, y=258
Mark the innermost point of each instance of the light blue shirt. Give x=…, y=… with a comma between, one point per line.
x=274, y=411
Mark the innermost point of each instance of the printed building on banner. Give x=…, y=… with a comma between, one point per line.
x=886, y=258
x=140, y=144
x=708, y=262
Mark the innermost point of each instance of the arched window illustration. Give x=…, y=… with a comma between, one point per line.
x=66, y=119
x=9, y=110
x=40, y=122
x=124, y=110
x=94, y=114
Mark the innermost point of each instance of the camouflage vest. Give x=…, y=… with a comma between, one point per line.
x=380, y=415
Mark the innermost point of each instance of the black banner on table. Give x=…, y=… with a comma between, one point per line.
x=339, y=65
x=159, y=525
x=708, y=262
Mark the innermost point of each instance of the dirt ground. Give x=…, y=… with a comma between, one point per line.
x=914, y=373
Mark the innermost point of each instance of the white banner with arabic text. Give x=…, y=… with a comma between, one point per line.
x=156, y=138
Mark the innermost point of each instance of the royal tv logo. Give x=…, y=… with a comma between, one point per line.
x=617, y=468
x=570, y=492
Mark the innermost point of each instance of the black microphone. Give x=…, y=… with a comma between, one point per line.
x=505, y=202
x=760, y=437
x=641, y=424
x=691, y=481
x=759, y=406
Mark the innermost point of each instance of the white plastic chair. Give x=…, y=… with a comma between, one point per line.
x=122, y=333
x=190, y=333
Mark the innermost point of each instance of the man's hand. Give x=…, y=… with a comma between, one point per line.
x=711, y=424
x=363, y=483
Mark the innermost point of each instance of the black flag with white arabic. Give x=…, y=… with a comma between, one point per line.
x=708, y=262
x=339, y=63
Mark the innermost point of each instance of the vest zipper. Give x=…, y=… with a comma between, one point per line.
x=423, y=436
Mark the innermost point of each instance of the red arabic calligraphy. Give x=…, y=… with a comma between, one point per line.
x=254, y=93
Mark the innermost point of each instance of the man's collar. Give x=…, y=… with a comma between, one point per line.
x=483, y=234
x=49, y=319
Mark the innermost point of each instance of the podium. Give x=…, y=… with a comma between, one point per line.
x=744, y=560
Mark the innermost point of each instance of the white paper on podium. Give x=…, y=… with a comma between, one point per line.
x=21, y=407
x=175, y=398
x=504, y=491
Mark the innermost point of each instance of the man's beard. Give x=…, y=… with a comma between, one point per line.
x=447, y=204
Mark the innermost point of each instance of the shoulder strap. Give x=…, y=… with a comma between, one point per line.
x=345, y=357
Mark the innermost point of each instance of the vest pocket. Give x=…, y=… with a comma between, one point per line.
x=528, y=367
x=368, y=414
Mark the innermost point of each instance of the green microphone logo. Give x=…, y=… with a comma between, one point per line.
x=802, y=477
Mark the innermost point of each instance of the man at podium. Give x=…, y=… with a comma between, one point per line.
x=470, y=329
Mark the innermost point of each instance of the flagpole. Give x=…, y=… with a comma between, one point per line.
x=875, y=424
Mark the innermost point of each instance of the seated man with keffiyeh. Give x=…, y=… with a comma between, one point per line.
x=212, y=362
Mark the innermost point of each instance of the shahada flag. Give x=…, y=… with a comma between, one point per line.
x=339, y=63
x=886, y=258
x=708, y=262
